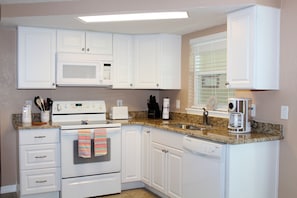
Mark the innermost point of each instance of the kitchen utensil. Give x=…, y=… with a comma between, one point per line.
x=37, y=102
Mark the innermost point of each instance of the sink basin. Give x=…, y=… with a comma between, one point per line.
x=187, y=126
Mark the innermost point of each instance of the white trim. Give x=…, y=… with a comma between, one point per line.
x=7, y=189
x=220, y=114
x=205, y=39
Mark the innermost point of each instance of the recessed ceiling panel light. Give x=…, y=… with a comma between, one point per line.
x=134, y=17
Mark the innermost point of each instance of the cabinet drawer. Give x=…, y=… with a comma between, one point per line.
x=40, y=181
x=39, y=156
x=167, y=138
x=38, y=136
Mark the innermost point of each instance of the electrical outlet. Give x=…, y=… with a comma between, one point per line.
x=177, y=104
x=253, y=110
x=119, y=102
x=284, y=112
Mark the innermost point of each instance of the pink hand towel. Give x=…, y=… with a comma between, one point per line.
x=100, y=142
x=84, y=143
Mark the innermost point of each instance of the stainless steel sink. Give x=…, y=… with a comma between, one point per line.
x=188, y=126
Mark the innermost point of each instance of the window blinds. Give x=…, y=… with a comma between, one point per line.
x=208, y=70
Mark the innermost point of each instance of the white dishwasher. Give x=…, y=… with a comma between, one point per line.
x=203, y=168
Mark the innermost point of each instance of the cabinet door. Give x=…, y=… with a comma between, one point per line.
x=98, y=43
x=71, y=41
x=174, y=172
x=146, y=155
x=169, y=62
x=146, y=62
x=159, y=164
x=253, y=48
x=36, y=58
x=122, y=61
x=240, y=47
x=131, y=148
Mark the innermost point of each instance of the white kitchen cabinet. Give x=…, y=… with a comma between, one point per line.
x=123, y=67
x=166, y=163
x=157, y=61
x=146, y=155
x=84, y=42
x=253, y=36
x=150, y=61
x=131, y=151
x=252, y=170
x=36, y=58
x=39, y=163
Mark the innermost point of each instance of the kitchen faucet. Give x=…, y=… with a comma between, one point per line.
x=205, y=117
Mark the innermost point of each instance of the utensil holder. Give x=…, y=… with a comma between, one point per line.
x=44, y=115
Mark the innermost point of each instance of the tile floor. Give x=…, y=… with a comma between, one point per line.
x=135, y=193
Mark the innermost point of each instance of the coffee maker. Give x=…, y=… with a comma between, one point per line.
x=239, y=115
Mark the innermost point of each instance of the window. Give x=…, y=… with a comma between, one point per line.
x=208, y=73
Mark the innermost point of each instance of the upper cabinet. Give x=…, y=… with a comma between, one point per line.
x=123, y=53
x=84, y=42
x=253, y=37
x=36, y=58
x=147, y=61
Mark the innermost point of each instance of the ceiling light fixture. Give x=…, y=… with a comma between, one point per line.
x=134, y=17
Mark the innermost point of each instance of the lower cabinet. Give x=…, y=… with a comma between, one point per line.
x=39, y=163
x=131, y=149
x=153, y=157
x=167, y=170
x=166, y=162
x=146, y=155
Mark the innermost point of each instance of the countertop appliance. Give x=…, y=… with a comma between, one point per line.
x=239, y=115
x=94, y=175
x=165, y=108
x=203, y=168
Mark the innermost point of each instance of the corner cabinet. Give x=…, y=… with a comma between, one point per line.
x=149, y=61
x=84, y=42
x=36, y=58
x=253, y=36
x=39, y=163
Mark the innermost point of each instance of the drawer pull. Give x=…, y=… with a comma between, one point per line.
x=41, y=157
x=40, y=181
x=39, y=137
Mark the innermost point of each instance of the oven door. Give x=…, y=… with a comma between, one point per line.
x=73, y=165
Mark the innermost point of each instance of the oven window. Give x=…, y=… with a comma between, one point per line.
x=93, y=159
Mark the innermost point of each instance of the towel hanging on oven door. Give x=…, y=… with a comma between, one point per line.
x=100, y=142
x=84, y=143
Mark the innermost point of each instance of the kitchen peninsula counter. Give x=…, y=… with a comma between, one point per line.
x=261, y=132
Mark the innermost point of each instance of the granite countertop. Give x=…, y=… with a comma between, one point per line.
x=261, y=132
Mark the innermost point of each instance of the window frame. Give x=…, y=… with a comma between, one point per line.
x=197, y=109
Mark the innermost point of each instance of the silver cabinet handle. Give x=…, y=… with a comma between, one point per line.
x=88, y=49
x=148, y=131
x=40, y=137
x=40, y=181
x=40, y=157
x=83, y=49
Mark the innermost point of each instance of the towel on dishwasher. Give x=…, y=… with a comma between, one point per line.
x=100, y=142
x=84, y=143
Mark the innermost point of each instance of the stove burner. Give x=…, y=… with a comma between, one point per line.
x=84, y=122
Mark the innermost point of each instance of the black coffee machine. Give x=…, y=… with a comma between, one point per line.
x=153, y=108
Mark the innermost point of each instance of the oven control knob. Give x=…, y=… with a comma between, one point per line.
x=59, y=108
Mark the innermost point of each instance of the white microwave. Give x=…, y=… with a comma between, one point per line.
x=84, y=69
